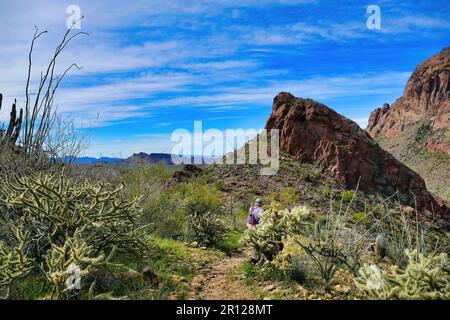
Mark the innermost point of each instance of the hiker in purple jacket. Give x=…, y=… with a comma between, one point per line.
x=254, y=213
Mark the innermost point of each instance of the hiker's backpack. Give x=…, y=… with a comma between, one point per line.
x=252, y=218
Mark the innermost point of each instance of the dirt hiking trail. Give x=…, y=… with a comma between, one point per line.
x=219, y=282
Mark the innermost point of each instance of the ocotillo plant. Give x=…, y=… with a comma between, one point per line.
x=11, y=134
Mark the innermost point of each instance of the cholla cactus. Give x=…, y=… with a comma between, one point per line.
x=43, y=202
x=425, y=277
x=75, y=258
x=68, y=223
x=14, y=263
x=267, y=239
x=207, y=228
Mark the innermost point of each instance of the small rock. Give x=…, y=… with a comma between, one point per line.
x=341, y=289
x=150, y=276
x=197, y=286
x=302, y=291
x=175, y=279
x=193, y=244
x=407, y=209
x=128, y=275
x=203, y=248
x=268, y=288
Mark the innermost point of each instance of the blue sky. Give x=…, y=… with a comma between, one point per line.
x=150, y=67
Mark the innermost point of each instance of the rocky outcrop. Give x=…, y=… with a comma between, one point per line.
x=312, y=132
x=151, y=158
x=426, y=98
x=377, y=116
x=184, y=175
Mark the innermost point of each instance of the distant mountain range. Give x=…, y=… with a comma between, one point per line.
x=152, y=158
x=90, y=160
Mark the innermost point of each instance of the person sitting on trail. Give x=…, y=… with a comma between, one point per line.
x=254, y=213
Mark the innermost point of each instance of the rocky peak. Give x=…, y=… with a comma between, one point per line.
x=426, y=98
x=312, y=132
x=429, y=85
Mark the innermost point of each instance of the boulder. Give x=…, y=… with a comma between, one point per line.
x=183, y=175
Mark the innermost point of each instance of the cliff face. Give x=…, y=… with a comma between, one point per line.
x=426, y=98
x=312, y=132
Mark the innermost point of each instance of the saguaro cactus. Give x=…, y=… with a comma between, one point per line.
x=15, y=123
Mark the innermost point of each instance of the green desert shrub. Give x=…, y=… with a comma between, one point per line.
x=289, y=195
x=425, y=277
x=161, y=209
x=145, y=180
x=165, y=215
x=326, y=191
x=297, y=269
x=348, y=196
x=447, y=136
x=60, y=226
x=423, y=132
x=230, y=242
x=167, y=210
x=205, y=223
x=206, y=227
x=316, y=175
x=361, y=218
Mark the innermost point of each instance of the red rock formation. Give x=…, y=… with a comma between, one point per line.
x=313, y=132
x=426, y=98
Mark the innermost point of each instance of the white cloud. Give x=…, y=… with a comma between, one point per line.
x=413, y=23
x=316, y=88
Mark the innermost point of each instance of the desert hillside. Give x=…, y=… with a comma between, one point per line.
x=416, y=128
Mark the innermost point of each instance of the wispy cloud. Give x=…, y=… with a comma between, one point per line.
x=316, y=88
x=413, y=23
